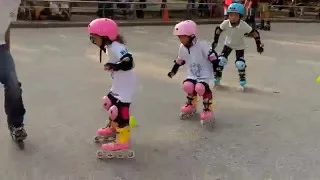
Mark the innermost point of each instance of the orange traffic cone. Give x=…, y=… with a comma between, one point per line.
x=165, y=14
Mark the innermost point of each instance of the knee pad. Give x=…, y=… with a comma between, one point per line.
x=106, y=102
x=188, y=87
x=222, y=61
x=200, y=89
x=113, y=112
x=240, y=64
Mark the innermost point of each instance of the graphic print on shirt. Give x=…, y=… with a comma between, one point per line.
x=124, y=52
x=195, y=69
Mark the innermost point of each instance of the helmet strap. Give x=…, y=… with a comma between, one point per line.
x=102, y=47
x=192, y=41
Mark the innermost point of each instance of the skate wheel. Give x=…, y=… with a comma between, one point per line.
x=109, y=154
x=100, y=154
x=183, y=116
x=130, y=154
x=120, y=155
x=242, y=88
x=202, y=122
x=97, y=139
x=20, y=144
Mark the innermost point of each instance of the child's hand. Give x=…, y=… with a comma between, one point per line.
x=107, y=67
x=260, y=48
x=171, y=74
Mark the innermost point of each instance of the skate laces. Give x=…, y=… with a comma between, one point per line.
x=206, y=104
x=190, y=99
x=242, y=76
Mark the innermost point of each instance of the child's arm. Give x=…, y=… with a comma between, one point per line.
x=177, y=63
x=217, y=33
x=124, y=64
x=256, y=35
x=176, y=66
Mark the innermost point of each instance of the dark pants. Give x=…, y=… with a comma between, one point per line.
x=225, y=53
x=13, y=103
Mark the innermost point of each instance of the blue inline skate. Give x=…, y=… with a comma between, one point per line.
x=242, y=81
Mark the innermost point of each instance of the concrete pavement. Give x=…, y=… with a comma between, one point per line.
x=270, y=132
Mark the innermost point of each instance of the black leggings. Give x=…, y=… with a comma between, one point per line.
x=227, y=50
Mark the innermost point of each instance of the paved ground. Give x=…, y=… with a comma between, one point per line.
x=270, y=132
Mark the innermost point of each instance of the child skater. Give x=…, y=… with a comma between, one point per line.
x=198, y=58
x=234, y=28
x=104, y=34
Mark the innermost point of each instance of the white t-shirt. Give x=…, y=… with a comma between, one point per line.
x=198, y=66
x=54, y=7
x=123, y=82
x=235, y=35
x=8, y=13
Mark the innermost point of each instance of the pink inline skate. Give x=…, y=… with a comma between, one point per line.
x=207, y=113
x=190, y=108
x=120, y=148
x=106, y=134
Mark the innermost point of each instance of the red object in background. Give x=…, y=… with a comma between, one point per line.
x=227, y=3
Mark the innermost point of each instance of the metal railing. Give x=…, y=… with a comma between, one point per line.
x=189, y=9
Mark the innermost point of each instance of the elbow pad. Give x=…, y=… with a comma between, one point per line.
x=253, y=32
x=257, y=38
x=125, y=64
x=217, y=33
x=177, y=64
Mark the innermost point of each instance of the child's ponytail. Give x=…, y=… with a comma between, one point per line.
x=120, y=39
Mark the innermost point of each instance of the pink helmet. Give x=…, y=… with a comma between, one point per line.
x=187, y=27
x=104, y=27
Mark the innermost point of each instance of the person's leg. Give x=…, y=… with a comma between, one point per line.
x=253, y=14
x=203, y=90
x=267, y=16
x=219, y=65
x=120, y=114
x=107, y=133
x=190, y=107
x=262, y=16
x=13, y=103
x=241, y=66
x=251, y=17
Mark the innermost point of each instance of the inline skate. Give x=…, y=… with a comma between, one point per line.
x=207, y=113
x=120, y=148
x=18, y=135
x=106, y=134
x=242, y=81
x=190, y=108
